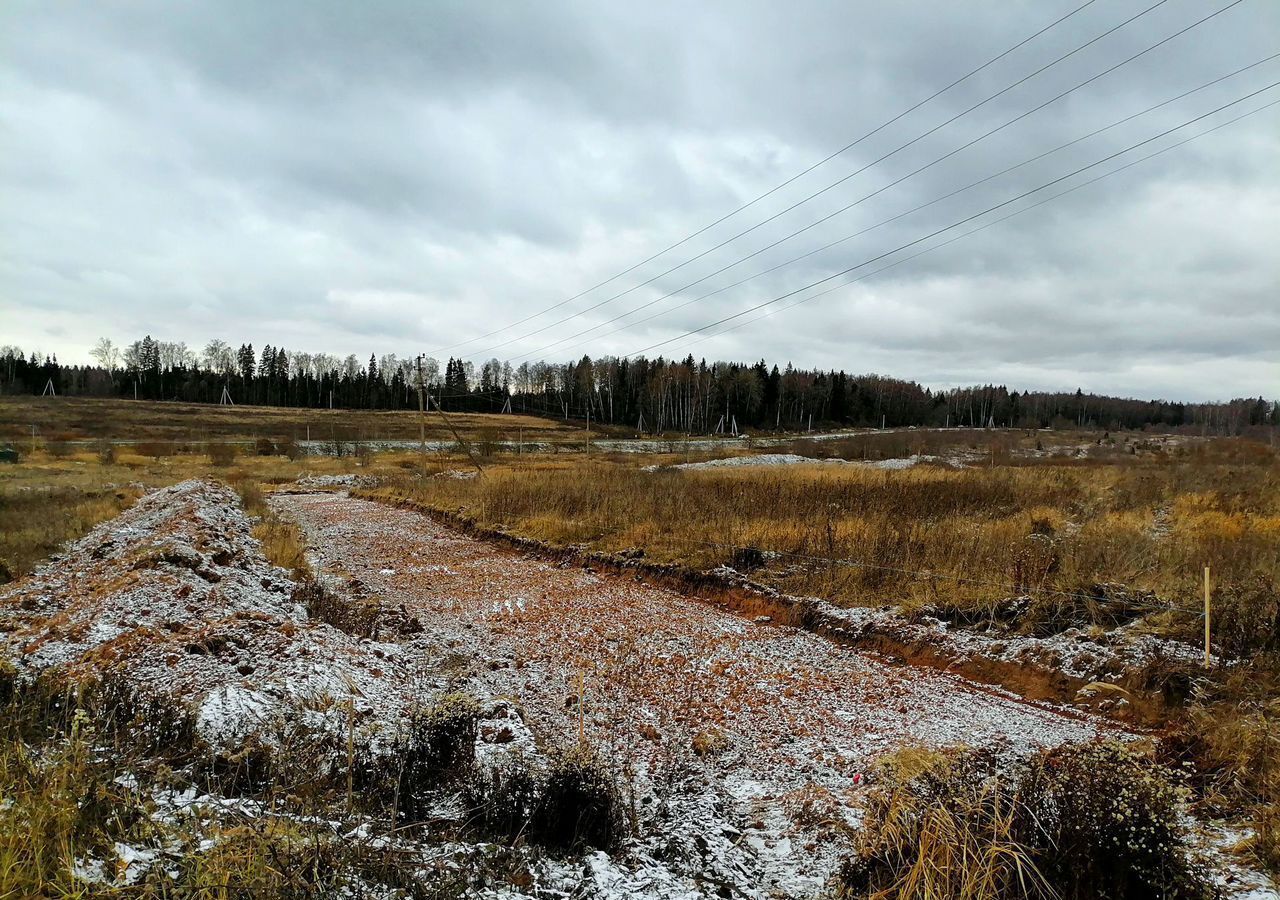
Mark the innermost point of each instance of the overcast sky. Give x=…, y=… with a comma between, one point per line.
x=400, y=178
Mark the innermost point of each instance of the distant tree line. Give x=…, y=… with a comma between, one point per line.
x=650, y=395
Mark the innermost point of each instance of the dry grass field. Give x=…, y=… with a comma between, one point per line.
x=1094, y=538
x=1090, y=542
x=951, y=538
x=84, y=418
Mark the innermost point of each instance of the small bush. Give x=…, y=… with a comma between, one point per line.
x=155, y=449
x=360, y=618
x=942, y=825
x=106, y=453
x=574, y=804
x=1265, y=845
x=264, y=447
x=292, y=449
x=440, y=746
x=501, y=800
x=579, y=805
x=283, y=544
x=221, y=454
x=1105, y=819
x=1096, y=820
x=1246, y=619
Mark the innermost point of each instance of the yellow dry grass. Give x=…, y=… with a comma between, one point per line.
x=864, y=536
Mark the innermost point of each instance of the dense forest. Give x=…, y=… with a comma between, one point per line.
x=649, y=395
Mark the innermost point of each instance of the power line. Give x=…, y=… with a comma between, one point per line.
x=869, y=228
x=891, y=153
x=956, y=224
x=778, y=187
x=987, y=225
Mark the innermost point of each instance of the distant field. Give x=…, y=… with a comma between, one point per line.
x=83, y=418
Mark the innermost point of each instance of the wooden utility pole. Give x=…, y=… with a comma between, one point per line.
x=586, y=444
x=422, y=413
x=465, y=446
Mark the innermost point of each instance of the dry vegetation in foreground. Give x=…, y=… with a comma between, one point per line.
x=95, y=805
x=1078, y=822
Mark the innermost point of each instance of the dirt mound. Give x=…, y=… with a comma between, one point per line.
x=175, y=600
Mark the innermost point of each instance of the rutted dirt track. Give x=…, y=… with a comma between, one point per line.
x=783, y=715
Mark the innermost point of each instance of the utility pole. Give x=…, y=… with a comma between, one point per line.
x=422, y=415
x=586, y=444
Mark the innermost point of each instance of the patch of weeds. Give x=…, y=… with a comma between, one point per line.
x=1230, y=731
x=1105, y=821
x=1246, y=618
x=580, y=804
x=1095, y=820
x=356, y=617
x=439, y=748
x=710, y=741
x=500, y=801
x=574, y=803
x=942, y=825
x=283, y=545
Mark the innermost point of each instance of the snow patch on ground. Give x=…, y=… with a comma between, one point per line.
x=794, y=459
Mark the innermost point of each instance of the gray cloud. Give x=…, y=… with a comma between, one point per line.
x=398, y=178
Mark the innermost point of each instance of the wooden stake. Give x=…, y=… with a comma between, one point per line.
x=1206, y=618
x=582, y=703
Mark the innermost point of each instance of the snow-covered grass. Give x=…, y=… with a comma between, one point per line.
x=792, y=459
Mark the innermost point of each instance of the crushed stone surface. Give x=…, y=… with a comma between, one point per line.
x=783, y=723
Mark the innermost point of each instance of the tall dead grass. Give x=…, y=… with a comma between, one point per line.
x=1079, y=822
x=922, y=537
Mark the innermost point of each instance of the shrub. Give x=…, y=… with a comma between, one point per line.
x=574, y=804
x=221, y=454
x=106, y=453
x=283, y=544
x=1105, y=819
x=500, y=801
x=1266, y=841
x=264, y=447
x=942, y=825
x=155, y=449
x=579, y=805
x=1246, y=618
x=1095, y=820
x=353, y=617
x=1231, y=730
x=440, y=746
x=292, y=449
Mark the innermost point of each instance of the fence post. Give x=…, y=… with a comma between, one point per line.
x=1206, y=618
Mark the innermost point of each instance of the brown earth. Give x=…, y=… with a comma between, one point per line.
x=659, y=668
